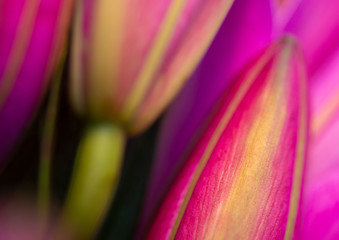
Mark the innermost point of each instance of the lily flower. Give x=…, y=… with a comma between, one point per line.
x=32, y=34
x=242, y=179
x=130, y=58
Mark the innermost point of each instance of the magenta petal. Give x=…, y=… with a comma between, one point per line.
x=250, y=19
x=243, y=177
x=320, y=198
x=320, y=201
x=324, y=109
x=320, y=208
x=35, y=48
x=282, y=11
x=316, y=25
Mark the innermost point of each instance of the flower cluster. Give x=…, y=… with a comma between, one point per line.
x=245, y=150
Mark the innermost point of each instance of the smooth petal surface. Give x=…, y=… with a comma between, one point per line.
x=324, y=110
x=31, y=36
x=242, y=179
x=320, y=199
x=320, y=208
x=316, y=25
x=282, y=11
x=131, y=57
x=250, y=19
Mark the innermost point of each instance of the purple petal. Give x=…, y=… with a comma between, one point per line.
x=316, y=25
x=31, y=38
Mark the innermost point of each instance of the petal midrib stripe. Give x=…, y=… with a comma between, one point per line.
x=153, y=59
x=186, y=67
x=300, y=154
x=218, y=131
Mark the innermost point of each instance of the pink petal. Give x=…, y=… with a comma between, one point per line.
x=324, y=109
x=243, y=177
x=316, y=25
x=320, y=208
x=320, y=201
x=129, y=63
x=282, y=11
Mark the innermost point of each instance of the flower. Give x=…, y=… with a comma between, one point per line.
x=32, y=34
x=130, y=58
x=242, y=179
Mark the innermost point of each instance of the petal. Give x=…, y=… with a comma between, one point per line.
x=282, y=11
x=31, y=37
x=134, y=60
x=320, y=208
x=316, y=25
x=229, y=51
x=324, y=112
x=243, y=177
x=320, y=199
x=185, y=51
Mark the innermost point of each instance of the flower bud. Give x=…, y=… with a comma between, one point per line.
x=243, y=177
x=131, y=57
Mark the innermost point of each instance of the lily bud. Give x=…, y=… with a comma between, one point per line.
x=242, y=179
x=131, y=57
x=31, y=37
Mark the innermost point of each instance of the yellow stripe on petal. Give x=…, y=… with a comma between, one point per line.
x=154, y=59
x=216, y=135
x=105, y=48
x=299, y=162
x=242, y=179
x=258, y=152
x=19, y=47
x=188, y=52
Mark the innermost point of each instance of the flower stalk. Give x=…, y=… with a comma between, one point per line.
x=96, y=173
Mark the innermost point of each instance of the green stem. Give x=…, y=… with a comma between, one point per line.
x=95, y=177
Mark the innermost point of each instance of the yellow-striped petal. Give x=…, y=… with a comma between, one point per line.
x=131, y=57
x=242, y=179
